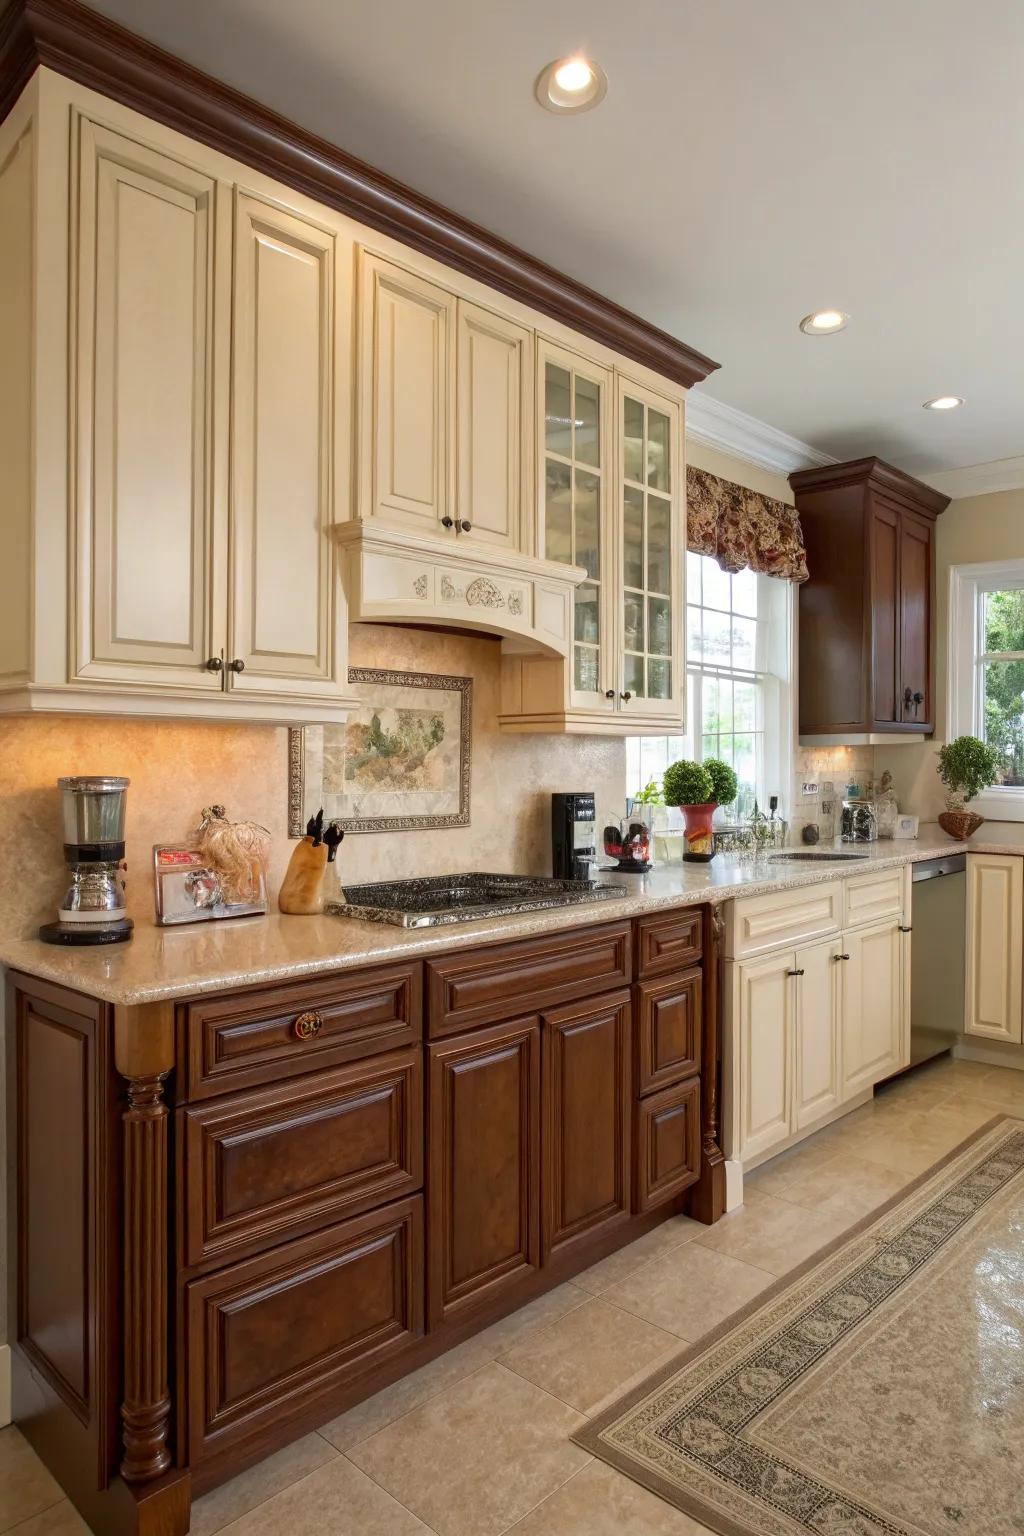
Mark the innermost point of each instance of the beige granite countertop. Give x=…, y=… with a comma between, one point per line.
x=164, y=963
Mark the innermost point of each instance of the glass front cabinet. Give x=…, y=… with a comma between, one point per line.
x=610, y=501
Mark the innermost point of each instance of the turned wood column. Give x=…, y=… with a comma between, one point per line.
x=144, y=1053
x=707, y=1199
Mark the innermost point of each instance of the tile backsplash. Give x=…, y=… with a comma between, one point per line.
x=840, y=765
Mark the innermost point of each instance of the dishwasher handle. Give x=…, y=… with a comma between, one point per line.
x=934, y=869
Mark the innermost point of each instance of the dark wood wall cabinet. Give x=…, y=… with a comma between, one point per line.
x=866, y=664
x=263, y=1206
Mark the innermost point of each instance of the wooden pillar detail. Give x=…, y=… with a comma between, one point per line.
x=144, y=1053
x=707, y=1198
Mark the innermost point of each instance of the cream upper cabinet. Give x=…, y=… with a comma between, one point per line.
x=995, y=896
x=817, y=1073
x=147, y=530
x=494, y=363
x=872, y=1005
x=406, y=398
x=281, y=635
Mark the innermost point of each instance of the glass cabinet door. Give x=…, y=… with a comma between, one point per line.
x=651, y=678
x=576, y=476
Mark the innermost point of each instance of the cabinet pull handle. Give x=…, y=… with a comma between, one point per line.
x=840, y=957
x=794, y=973
x=447, y=522
x=626, y=696
x=307, y=1026
x=238, y=665
x=465, y=526
x=905, y=930
x=214, y=664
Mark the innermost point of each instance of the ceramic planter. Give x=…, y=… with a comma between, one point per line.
x=698, y=840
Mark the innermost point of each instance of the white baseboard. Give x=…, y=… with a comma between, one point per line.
x=990, y=1053
x=733, y=1185
x=5, y=1384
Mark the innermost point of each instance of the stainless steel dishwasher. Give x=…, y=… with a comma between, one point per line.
x=938, y=946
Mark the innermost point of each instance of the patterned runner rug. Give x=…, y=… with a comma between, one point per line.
x=878, y=1391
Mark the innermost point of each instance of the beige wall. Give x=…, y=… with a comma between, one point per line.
x=739, y=471
x=970, y=530
x=176, y=769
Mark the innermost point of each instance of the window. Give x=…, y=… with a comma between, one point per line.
x=738, y=644
x=986, y=673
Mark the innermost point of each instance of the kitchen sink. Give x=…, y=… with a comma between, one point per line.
x=438, y=899
x=814, y=856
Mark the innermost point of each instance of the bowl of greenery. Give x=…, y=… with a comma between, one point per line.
x=698, y=789
x=966, y=767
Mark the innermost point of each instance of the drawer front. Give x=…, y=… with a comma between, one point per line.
x=671, y=942
x=757, y=923
x=272, y=1335
x=667, y=1144
x=874, y=896
x=227, y=1043
x=260, y=1166
x=668, y=1030
x=512, y=979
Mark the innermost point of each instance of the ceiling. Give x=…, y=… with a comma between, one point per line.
x=751, y=162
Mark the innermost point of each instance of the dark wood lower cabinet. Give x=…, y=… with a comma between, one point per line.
x=483, y=1189
x=667, y=1144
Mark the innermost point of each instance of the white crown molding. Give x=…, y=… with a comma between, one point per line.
x=745, y=437
x=979, y=479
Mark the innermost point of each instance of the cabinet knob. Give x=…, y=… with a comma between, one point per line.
x=214, y=664
x=238, y=665
x=465, y=526
x=447, y=522
x=918, y=699
x=794, y=973
x=609, y=693
x=307, y=1026
x=838, y=957
x=626, y=696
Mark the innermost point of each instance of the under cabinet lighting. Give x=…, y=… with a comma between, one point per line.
x=571, y=85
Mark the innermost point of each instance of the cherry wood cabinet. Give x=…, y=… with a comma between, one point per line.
x=866, y=662
x=667, y=1144
x=668, y=1029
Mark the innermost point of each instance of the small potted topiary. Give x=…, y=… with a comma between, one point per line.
x=699, y=789
x=966, y=767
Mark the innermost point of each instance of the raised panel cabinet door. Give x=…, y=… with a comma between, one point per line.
x=764, y=1005
x=282, y=444
x=667, y=1026
x=483, y=1162
x=667, y=1158
x=494, y=372
x=995, y=887
x=872, y=1005
x=405, y=400
x=585, y=1134
x=915, y=619
x=817, y=1075
x=147, y=557
x=884, y=554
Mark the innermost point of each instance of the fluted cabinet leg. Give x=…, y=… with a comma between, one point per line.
x=146, y=1409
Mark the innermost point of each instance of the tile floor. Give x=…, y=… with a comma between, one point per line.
x=477, y=1443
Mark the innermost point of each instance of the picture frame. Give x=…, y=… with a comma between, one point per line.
x=402, y=761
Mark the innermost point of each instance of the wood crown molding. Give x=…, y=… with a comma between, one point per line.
x=731, y=431
x=77, y=42
x=880, y=476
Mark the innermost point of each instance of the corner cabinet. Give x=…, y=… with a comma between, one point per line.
x=610, y=500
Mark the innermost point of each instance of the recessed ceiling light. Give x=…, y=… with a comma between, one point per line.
x=944, y=403
x=824, y=322
x=571, y=85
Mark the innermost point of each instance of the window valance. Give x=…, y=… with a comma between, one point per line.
x=742, y=528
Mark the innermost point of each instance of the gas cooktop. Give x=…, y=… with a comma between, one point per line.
x=437, y=899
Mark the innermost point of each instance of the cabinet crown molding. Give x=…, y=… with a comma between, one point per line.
x=86, y=47
x=880, y=476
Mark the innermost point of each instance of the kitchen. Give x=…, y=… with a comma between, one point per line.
x=322, y=499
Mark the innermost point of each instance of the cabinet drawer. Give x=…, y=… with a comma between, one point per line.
x=668, y=1029
x=757, y=923
x=272, y=1162
x=667, y=1144
x=239, y=1041
x=668, y=943
x=270, y=1336
x=874, y=896
x=511, y=979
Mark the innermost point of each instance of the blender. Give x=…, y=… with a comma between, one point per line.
x=93, y=908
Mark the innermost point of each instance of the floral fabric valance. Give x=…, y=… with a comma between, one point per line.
x=743, y=528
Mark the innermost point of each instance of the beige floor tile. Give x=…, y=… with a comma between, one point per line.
x=774, y=1177
x=510, y=1331
x=589, y=1353
x=26, y=1488
x=233, y=1499
x=60, y=1519
x=601, y=1502
x=474, y=1460
x=690, y=1290
x=660, y=1240
x=336, y=1500
x=846, y=1187
x=368, y=1417
x=911, y=1148
x=772, y=1234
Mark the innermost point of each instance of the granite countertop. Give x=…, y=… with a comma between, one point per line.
x=160, y=964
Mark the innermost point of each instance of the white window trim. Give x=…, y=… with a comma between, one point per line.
x=967, y=583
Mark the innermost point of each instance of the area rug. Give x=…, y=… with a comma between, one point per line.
x=878, y=1391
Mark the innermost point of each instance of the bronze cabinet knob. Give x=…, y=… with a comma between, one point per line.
x=609, y=693
x=626, y=696
x=308, y=1025
x=214, y=664
x=465, y=526
x=447, y=522
x=238, y=665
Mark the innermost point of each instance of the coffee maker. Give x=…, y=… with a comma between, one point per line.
x=93, y=909
x=573, y=836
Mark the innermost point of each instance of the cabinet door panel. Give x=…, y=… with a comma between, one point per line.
x=483, y=1139
x=405, y=396
x=667, y=1144
x=586, y=1099
x=995, y=895
x=144, y=369
x=668, y=1030
x=915, y=617
x=816, y=1068
x=763, y=1023
x=872, y=1006
x=282, y=624
x=883, y=538
x=494, y=367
